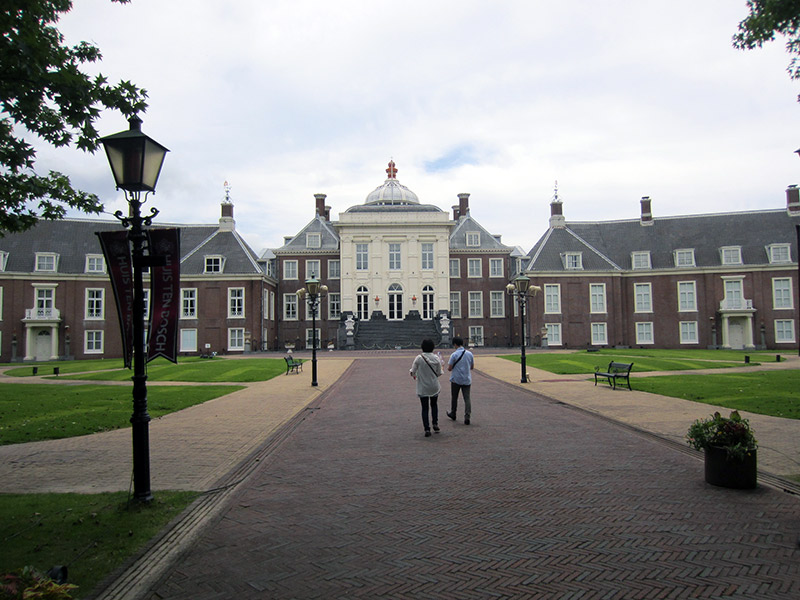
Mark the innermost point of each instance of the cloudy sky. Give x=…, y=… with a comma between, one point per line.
x=283, y=99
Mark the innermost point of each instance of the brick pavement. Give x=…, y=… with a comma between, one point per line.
x=534, y=499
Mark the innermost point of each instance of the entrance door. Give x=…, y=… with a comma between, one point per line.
x=427, y=302
x=44, y=346
x=736, y=334
x=395, y=302
x=362, y=303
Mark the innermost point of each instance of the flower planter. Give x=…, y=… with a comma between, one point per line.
x=737, y=474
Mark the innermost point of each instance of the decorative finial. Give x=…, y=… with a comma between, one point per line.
x=227, y=187
x=391, y=171
x=555, y=192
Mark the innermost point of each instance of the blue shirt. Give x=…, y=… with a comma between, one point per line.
x=462, y=371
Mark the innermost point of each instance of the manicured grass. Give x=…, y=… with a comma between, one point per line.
x=244, y=370
x=585, y=362
x=92, y=534
x=65, y=366
x=771, y=393
x=34, y=412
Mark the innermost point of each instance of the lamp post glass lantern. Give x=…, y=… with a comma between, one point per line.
x=313, y=293
x=521, y=288
x=136, y=162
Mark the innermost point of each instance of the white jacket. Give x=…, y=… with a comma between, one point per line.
x=427, y=375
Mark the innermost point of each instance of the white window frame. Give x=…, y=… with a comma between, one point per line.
x=95, y=304
x=552, y=298
x=313, y=240
x=290, y=269
x=236, y=303
x=334, y=268
x=644, y=333
x=93, y=341
x=291, y=308
x=687, y=296
x=496, y=267
x=1, y=305
x=643, y=297
x=455, y=305
x=497, y=304
x=309, y=341
x=684, y=257
x=214, y=263
x=313, y=267
x=146, y=304
x=3, y=260
x=362, y=302
x=688, y=332
x=474, y=268
x=395, y=256
x=553, y=334
x=475, y=308
x=334, y=306
x=476, y=335
x=46, y=262
x=779, y=253
x=473, y=239
x=573, y=261
x=730, y=255
x=426, y=256
x=597, y=298
x=236, y=338
x=784, y=331
x=362, y=257
x=782, y=298
x=186, y=339
x=95, y=263
x=455, y=267
x=188, y=299
x=599, y=334
x=641, y=260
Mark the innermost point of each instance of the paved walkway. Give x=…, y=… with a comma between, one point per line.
x=333, y=492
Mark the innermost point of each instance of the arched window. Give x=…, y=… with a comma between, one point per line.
x=362, y=303
x=427, y=302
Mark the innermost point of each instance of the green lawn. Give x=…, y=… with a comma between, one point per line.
x=773, y=393
x=585, y=362
x=34, y=412
x=93, y=534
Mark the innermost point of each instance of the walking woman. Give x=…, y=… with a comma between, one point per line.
x=426, y=369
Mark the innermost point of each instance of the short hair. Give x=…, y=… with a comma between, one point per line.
x=427, y=345
x=457, y=341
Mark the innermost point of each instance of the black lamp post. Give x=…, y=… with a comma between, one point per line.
x=313, y=292
x=521, y=288
x=136, y=162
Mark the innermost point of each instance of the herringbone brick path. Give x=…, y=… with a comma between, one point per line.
x=532, y=500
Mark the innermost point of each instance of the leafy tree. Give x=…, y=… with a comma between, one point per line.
x=45, y=95
x=768, y=18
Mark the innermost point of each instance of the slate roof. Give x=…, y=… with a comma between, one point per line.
x=73, y=239
x=329, y=239
x=608, y=245
x=458, y=237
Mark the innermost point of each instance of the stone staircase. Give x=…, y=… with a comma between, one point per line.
x=380, y=333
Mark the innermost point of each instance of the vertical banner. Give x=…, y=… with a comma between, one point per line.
x=117, y=253
x=165, y=255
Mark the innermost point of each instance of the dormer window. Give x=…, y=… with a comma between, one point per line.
x=46, y=262
x=473, y=239
x=731, y=255
x=3, y=260
x=214, y=264
x=640, y=260
x=684, y=258
x=95, y=263
x=313, y=240
x=573, y=261
x=779, y=253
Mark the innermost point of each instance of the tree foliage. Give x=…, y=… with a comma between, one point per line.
x=768, y=18
x=45, y=95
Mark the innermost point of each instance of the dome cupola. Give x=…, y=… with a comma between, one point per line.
x=392, y=192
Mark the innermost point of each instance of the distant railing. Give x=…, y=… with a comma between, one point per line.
x=42, y=314
x=735, y=304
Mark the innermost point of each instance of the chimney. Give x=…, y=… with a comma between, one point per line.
x=463, y=205
x=455, y=212
x=647, y=214
x=793, y=200
x=557, y=220
x=320, y=198
x=226, y=222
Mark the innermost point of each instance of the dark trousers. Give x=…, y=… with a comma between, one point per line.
x=425, y=401
x=465, y=390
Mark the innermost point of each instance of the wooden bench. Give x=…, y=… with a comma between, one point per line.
x=615, y=371
x=293, y=365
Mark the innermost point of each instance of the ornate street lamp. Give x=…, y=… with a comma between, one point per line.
x=136, y=162
x=313, y=293
x=521, y=289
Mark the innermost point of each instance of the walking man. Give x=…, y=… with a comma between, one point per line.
x=460, y=366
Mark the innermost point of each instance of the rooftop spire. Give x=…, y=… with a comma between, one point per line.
x=227, y=187
x=391, y=171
